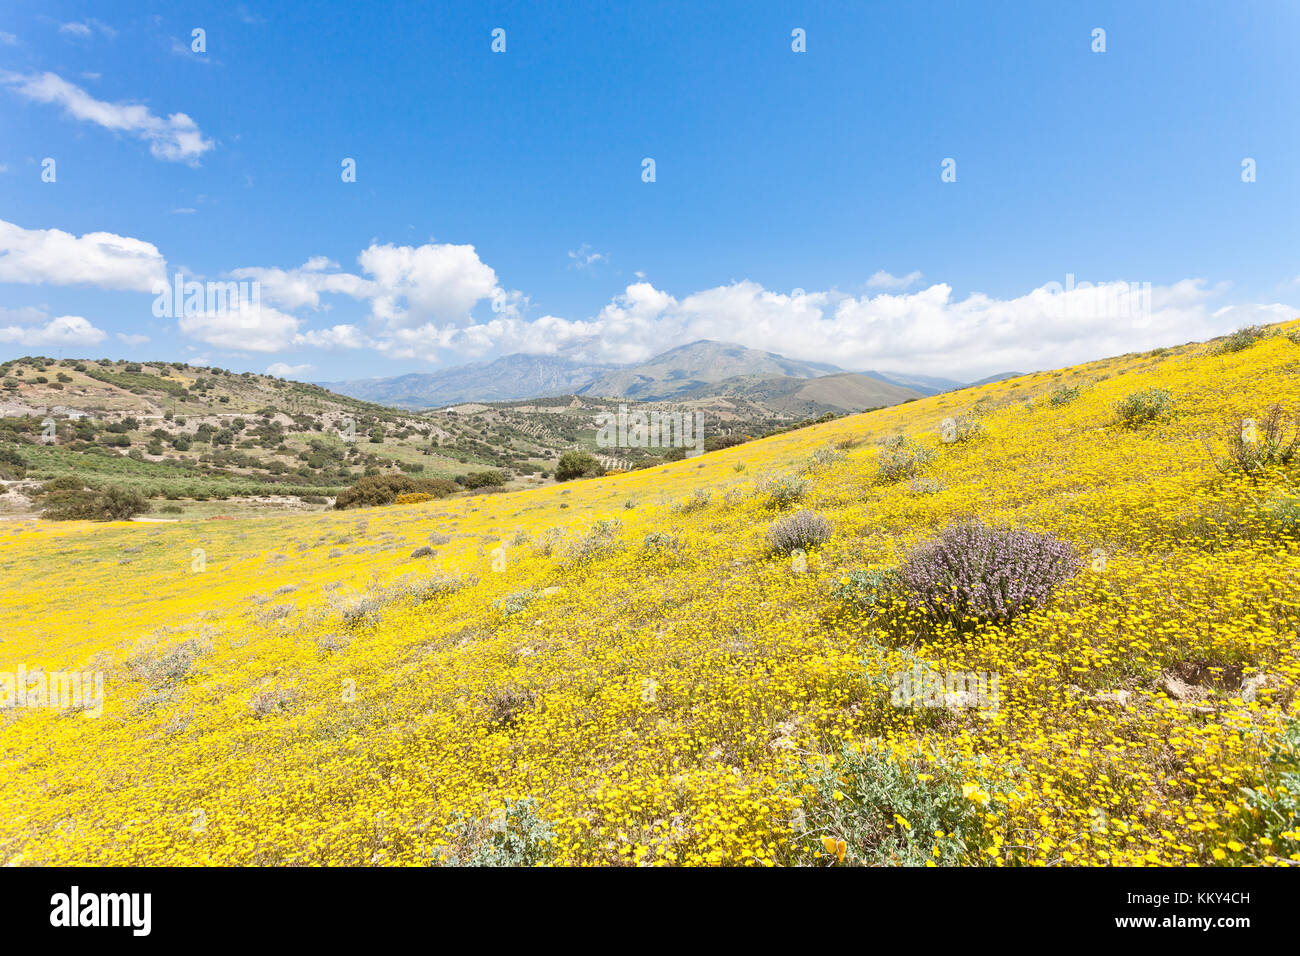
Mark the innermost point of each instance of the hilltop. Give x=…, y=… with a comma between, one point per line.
x=626, y=670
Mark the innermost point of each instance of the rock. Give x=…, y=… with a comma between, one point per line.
x=1252, y=685
x=1180, y=690
x=1118, y=698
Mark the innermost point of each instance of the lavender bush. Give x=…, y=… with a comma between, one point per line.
x=974, y=571
x=803, y=529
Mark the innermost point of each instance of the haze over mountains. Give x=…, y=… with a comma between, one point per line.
x=701, y=369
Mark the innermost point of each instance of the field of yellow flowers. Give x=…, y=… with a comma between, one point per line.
x=619, y=671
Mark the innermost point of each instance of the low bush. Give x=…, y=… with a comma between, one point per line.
x=483, y=479
x=1256, y=446
x=1145, y=405
x=1063, y=395
x=972, y=572
x=781, y=491
x=803, y=529
x=373, y=490
x=109, y=503
x=901, y=457
x=869, y=810
x=512, y=836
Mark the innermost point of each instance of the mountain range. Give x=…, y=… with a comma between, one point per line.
x=698, y=370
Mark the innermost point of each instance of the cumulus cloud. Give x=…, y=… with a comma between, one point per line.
x=435, y=282
x=176, y=137
x=132, y=339
x=54, y=257
x=66, y=330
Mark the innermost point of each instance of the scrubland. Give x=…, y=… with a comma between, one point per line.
x=637, y=670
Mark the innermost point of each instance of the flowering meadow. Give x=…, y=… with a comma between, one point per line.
x=638, y=669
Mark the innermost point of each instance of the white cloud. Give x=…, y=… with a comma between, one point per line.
x=584, y=258
x=883, y=280
x=8, y=39
x=927, y=331
x=302, y=287
x=131, y=339
x=177, y=137
x=86, y=28
x=435, y=282
x=337, y=337
x=248, y=328
x=281, y=370
x=54, y=257
x=66, y=330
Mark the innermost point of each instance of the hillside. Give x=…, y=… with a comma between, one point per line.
x=621, y=671
x=183, y=435
x=174, y=431
x=802, y=397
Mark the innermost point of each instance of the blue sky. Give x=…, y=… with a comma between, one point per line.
x=499, y=202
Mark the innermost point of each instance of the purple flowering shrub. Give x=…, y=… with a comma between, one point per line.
x=972, y=571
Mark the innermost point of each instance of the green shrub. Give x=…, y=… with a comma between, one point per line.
x=868, y=587
x=1254, y=447
x=1063, y=395
x=577, y=464
x=373, y=490
x=1241, y=339
x=887, y=814
x=1144, y=405
x=963, y=428
x=109, y=503
x=1283, y=515
x=483, y=479
x=823, y=458
x=695, y=501
x=901, y=457
x=782, y=491
x=1274, y=804
x=512, y=836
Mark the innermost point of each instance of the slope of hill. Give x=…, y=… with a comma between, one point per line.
x=175, y=431
x=800, y=397
x=621, y=671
